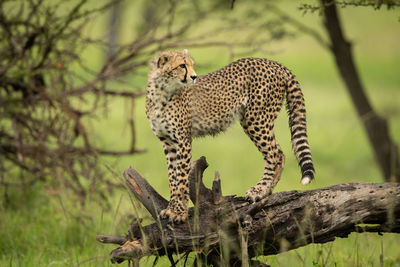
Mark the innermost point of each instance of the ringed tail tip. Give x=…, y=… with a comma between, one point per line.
x=305, y=180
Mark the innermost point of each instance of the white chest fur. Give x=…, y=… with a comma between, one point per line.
x=161, y=103
x=159, y=114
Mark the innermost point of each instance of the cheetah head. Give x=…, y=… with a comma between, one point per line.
x=176, y=67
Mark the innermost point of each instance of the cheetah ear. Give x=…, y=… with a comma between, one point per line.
x=161, y=61
x=185, y=51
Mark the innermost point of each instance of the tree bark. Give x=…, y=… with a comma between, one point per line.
x=385, y=149
x=230, y=230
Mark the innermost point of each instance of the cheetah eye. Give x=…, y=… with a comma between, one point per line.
x=182, y=66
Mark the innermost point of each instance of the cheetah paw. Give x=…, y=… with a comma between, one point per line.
x=173, y=215
x=256, y=193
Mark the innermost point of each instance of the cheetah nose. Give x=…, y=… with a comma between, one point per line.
x=193, y=77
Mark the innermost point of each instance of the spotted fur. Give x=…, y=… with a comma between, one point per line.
x=251, y=90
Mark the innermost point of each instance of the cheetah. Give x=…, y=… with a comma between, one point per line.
x=181, y=106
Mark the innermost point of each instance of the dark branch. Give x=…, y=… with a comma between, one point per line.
x=385, y=149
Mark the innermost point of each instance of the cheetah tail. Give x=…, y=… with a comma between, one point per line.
x=297, y=124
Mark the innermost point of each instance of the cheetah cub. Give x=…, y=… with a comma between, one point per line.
x=181, y=106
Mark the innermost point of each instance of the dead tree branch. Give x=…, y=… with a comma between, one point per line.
x=228, y=229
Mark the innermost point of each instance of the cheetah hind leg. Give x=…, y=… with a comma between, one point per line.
x=265, y=187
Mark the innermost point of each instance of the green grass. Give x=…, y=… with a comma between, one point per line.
x=42, y=229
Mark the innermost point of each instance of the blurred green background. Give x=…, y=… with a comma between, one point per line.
x=43, y=230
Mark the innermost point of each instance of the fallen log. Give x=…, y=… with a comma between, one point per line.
x=228, y=230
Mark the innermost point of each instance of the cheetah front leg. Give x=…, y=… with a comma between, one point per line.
x=179, y=155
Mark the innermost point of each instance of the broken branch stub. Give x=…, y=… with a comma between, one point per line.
x=197, y=189
x=144, y=192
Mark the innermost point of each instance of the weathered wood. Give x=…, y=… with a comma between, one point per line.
x=144, y=192
x=197, y=189
x=220, y=227
x=120, y=240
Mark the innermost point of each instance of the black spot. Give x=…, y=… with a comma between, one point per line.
x=299, y=135
x=301, y=148
x=303, y=154
x=304, y=159
x=298, y=129
x=300, y=142
x=308, y=169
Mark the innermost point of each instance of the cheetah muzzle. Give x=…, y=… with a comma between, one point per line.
x=181, y=106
